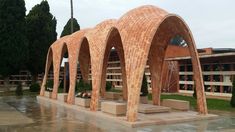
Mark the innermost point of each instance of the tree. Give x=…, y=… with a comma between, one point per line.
x=67, y=27
x=41, y=33
x=232, y=102
x=13, y=40
x=144, y=87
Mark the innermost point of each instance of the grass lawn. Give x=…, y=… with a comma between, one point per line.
x=212, y=104
x=115, y=90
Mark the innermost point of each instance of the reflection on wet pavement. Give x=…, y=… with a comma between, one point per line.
x=54, y=118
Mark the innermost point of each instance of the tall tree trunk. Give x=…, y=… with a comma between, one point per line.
x=71, y=2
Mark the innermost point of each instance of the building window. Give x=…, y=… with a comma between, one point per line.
x=206, y=67
x=182, y=68
x=226, y=67
x=182, y=77
x=206, y=78
x=190, y=87
x=227, y=89
x=182, y=87
x=189, y=68
x=216, y=78
x=190, y=78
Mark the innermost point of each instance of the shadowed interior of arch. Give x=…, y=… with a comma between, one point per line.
x=64, y=78
x=84, y=61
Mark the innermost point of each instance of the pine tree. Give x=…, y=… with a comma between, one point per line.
x=41, y=33
x=13, y=40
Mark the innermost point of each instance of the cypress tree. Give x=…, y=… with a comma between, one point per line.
x=13, y=41
x=41, y=33
x=67, y=30
x=67, y=27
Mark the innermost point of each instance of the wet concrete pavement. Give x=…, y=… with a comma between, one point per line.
x=31, y=116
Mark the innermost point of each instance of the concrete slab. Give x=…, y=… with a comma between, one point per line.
x=143, y=119
x=112, y=95
x=10, y=116
x=62, y=97
x=84, y=102
x=150, y=109
x=114, y=108
x=176, y=104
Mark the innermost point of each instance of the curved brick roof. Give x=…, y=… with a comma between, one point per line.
x=139, y=35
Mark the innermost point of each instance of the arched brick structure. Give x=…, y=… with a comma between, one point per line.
x=140, y=35
x=47, y=68
x=58, y=51
x=146, y=36
x=78, y=52
x=97, y=38
x=114, y=40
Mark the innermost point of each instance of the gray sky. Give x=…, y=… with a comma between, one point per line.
x=212, y=21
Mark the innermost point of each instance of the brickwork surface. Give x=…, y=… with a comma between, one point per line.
x=139, y=35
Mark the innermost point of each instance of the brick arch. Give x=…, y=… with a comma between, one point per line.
x=74, y=43
x=138, y=29
x=54, y=53
x=97, y=38
x=82, y=55
x=171, y=26
x=60, y=49
x=49, y=61
x=114, y=40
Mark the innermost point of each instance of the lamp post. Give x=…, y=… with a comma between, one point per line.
x=71, y=2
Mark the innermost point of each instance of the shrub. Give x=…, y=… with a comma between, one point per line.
x=194, y=91
x=19, y=90
x=232, y=102
x=87, y=86
x=144, y=87
x=82, y=86
x=108, y=86
x=35, y=87
x=49, y=84
x=61, y=86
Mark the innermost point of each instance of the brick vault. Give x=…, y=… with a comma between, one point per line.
x=139, y=35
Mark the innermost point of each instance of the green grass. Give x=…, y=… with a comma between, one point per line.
x=60, y=90
x=212, y=104
x=115, y=90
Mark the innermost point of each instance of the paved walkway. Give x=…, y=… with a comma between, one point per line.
x=143, y=119
x=10, y=116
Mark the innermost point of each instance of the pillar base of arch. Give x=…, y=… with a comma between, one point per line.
x=54, y=96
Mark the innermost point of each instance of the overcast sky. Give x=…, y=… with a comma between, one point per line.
x=212, y=21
